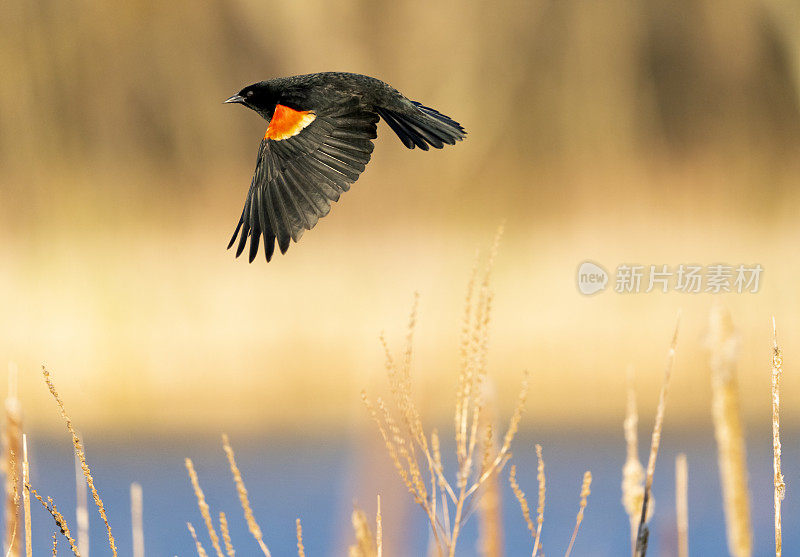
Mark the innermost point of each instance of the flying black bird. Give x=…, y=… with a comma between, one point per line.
x=318, y=141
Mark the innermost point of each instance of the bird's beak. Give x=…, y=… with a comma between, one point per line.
x=235, y=99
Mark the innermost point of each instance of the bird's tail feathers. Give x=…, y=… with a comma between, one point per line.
x=424, y=127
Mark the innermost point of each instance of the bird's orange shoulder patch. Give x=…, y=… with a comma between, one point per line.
x=287, y=122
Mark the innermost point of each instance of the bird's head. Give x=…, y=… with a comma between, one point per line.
x=258, y=97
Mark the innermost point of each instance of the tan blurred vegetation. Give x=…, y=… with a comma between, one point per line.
x=652, y=133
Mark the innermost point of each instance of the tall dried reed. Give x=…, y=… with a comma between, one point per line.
x=365, y=544
x=540, y=477
x=201, y=552
x=586, y=490
x=379, y=530
x=81, y=508
x=59, y=519
x=633, y=471
x=81, y=454
x=26, y=496
x=682, y=504
x=728, y=430
x=48, y=504
x=447, y=505
x=536, y=531
x=12, y=444
x=205, y=510
x=522, y=500
x=137, y=528
x=780, y=485
x=226, y=535
x=643, y=533
x=244, y=500
x=301, y=550
x=490, y=500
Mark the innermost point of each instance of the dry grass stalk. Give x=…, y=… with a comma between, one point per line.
x=201, y=552
x=396, y=446
x=500, y=460
x=59, y=519
x=655, y=442
x=12, y=542
x=633, y=471
x=48, y=505
x=12, y=445
x=407, y=443
x=405, y=439
x=365, y=545
x=536, y=531
x=489, y=502
x=13, y=545
x=682, y=504
x=489, y=513
x=523, y=501
x=81, y=509
x=205, y=510
x=474, y=349
x=8, y=553
x=379, y=530
x=244, y=500
x=467, y=348
x=81, y=454
x=780, y=486
x=301, y=550
x=137, y=529
x=226, y=534
x=444, y=487
x=728, y=430
x=585, y=492
x=540, y=478
x=55, y=544
x=26, y=496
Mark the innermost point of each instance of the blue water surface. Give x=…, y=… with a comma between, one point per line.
x=314, y=478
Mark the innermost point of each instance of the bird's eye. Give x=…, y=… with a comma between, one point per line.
x=249, y=94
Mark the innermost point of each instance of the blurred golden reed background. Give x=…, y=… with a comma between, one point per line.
x=647, y=132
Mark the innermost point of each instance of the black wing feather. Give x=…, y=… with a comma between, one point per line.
x=245, y=224
x=236, y=232
x=317, y=200
x=297, y=179
x=266, y=229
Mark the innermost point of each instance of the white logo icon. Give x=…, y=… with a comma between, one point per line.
x=592, y=278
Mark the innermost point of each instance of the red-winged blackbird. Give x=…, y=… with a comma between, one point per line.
x=318, y=141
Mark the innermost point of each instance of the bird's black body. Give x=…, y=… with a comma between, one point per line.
x=318, y=142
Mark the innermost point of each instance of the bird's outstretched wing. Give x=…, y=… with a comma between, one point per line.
x=306, y=160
